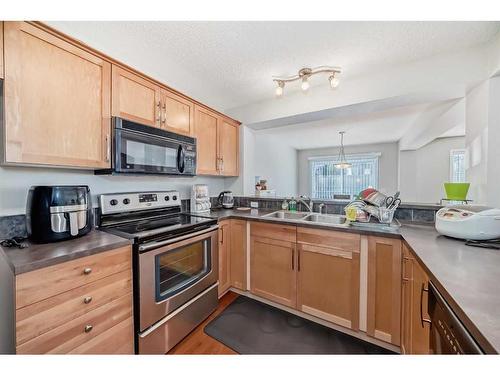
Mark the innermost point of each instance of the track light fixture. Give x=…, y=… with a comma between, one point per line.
x=304, y=74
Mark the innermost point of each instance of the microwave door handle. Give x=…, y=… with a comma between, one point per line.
x=181, y=154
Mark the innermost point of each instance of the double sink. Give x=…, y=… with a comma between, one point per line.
x=329, y=220
x=307, y=216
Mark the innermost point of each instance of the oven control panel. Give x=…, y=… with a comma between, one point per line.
x=123, y=202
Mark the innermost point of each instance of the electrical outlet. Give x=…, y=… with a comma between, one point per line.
x=254, y=204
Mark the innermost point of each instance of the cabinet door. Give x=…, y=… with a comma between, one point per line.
x=57, y=100
x=384, y=289
x=228, y=147
x=406, y=298
x=206, y=141
x=135, y=98
x=420, y=329
x=238, y=255
x=177, y=114
x=272, y=270
x=224, y=257
x=1, y=49
x=328, y=284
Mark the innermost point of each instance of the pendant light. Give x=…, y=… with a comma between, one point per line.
x=342, y=164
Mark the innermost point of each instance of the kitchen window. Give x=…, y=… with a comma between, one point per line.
x=327, y=180
x=457, y=165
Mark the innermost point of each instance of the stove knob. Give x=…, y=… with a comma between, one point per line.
x=113, y=202
x=174, y=197
x=167, y=198
x=126, y=201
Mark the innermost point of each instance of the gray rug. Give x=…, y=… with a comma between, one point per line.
x=251, y=327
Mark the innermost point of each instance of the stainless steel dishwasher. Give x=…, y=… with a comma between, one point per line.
x=448, y=335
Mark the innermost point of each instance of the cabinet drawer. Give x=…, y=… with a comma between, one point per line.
x=330, y=238
x=72, y=334
x=38, y=318
x=117, y=340
x=274, y=231
x=38, y=285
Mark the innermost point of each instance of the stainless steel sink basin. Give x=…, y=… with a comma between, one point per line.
x=287, y=215
x=325, y=219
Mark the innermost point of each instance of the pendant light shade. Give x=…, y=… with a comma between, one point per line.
x=342, y=164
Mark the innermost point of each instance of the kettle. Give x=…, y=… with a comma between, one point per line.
x=226, y=199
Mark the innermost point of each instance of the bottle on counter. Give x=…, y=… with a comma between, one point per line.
x=284, y=205
x=292, y=205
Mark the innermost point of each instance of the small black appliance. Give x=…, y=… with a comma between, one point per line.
x=56, y=213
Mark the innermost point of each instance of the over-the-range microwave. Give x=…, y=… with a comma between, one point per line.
x=141, y=149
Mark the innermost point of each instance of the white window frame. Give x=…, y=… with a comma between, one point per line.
x=335, y=159
x=452, y=153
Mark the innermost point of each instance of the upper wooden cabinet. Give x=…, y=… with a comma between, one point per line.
x=217, y=143
x=177, y=113
x=415, y=329
x=384, y=289
x=56, y=100
x=135, y=98
x=328, y=276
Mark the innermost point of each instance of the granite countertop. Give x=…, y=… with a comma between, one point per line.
x=467, y=278
x=43, y=255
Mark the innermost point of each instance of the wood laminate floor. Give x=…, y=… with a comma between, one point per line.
x=197, y=342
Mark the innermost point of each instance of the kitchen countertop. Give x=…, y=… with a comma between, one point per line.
x=43, y=255
x=465, y=276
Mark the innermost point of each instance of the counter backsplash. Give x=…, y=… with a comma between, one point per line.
x=15, y=225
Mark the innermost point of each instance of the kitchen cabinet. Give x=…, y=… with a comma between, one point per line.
x=384, y=289
x=56, y=100
x=228, y=147
x=415, y=328
x=328, y=275
x=135, y=98
x=238, y=254
x=177, y=113
x=217, y=143
x=1, y=50
x=273, y=261
x=80, y=306
x=224, y=256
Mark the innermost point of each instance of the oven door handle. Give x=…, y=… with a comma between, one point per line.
x=154, y=245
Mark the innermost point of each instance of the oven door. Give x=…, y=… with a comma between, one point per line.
x=137, y=152
x=174, y=272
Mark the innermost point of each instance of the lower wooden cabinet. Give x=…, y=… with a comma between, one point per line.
x=224, y=256
x=328, y=275
x=384, y=289
x=238, y=254
x=414, y=327
x=80, y=306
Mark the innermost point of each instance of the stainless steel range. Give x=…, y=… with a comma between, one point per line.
x=175, y=264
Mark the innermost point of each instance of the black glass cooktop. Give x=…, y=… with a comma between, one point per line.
x=148, y=227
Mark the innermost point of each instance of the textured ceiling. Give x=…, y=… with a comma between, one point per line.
x=230, y=64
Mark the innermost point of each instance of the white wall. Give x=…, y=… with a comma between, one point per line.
x=275, y=161
x=16, y=181
x=388, y=164
x=423, y=171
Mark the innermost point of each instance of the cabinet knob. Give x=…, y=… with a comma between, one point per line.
x=87, y=271
x=87, y=300
x=88, y=328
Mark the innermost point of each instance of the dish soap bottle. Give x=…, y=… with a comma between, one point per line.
x=284, y=205
x=292, y=206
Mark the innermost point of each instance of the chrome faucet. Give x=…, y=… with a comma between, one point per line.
x=309, y=205
x=320, y=207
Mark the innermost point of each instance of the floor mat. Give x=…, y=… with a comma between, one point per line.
x=251, y=327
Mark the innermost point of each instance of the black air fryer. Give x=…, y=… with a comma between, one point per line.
x=57, y=213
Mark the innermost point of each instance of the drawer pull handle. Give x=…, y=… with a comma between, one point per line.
x=87, y=300
x=87, y=271
x=88, y=328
